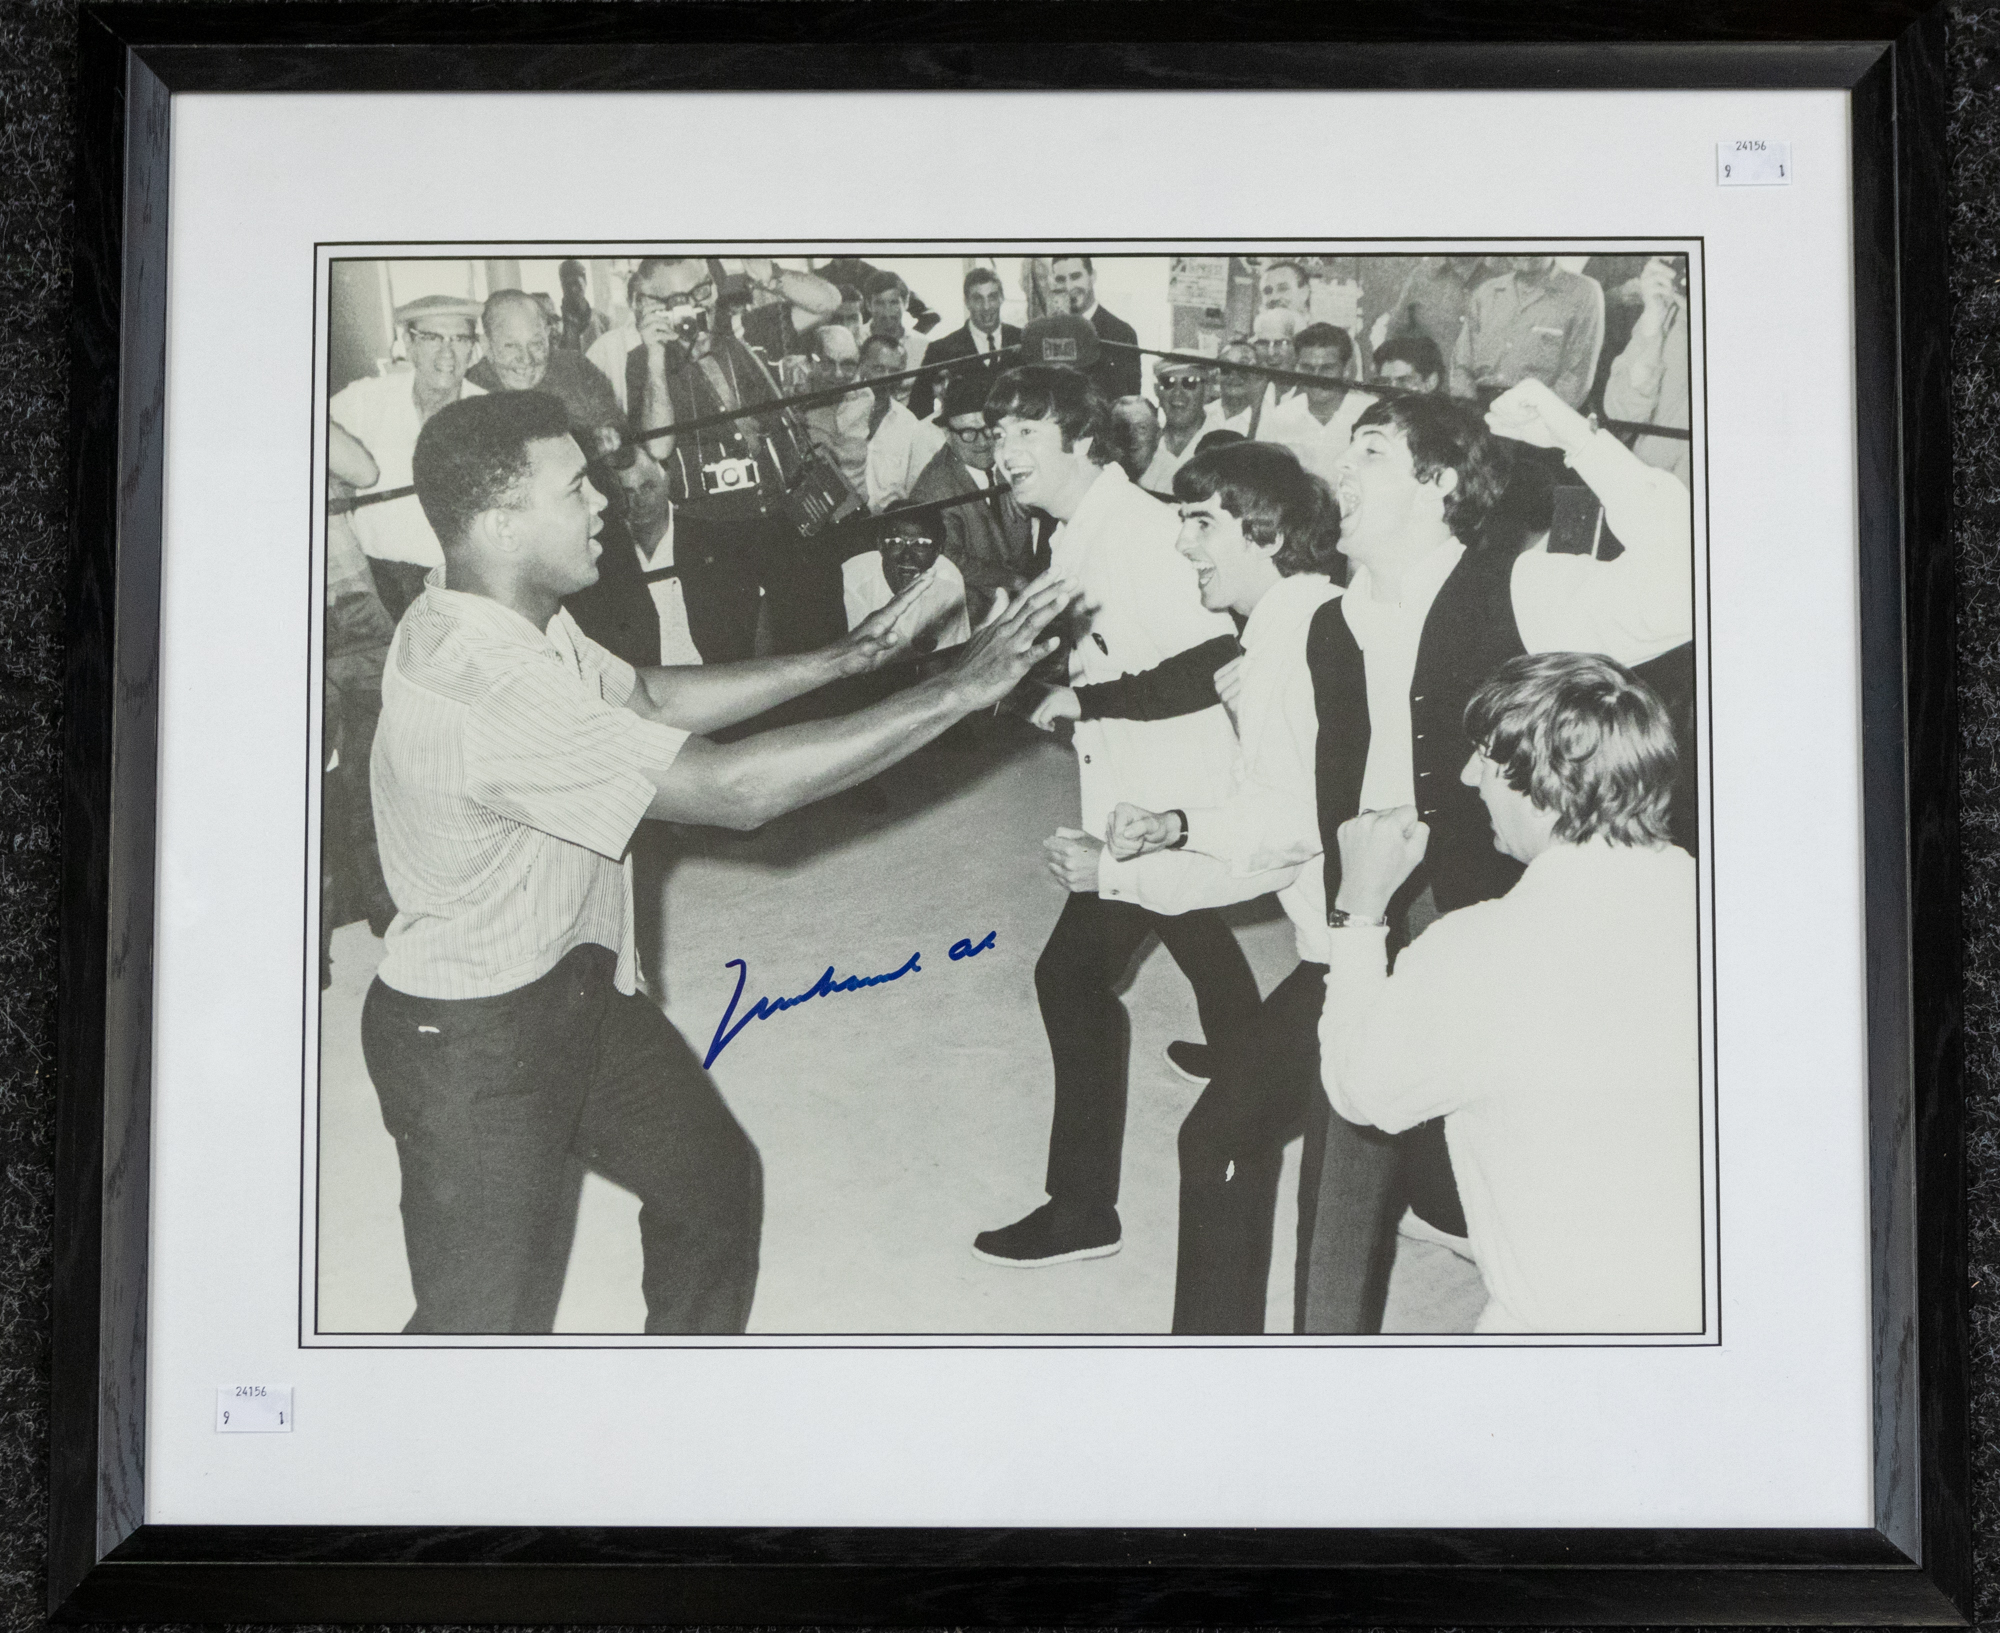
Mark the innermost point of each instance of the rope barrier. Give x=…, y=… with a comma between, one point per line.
x=813, y=399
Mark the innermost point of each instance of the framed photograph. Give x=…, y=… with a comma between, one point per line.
x=886, y=814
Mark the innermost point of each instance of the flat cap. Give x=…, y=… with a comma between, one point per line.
x=438, y=306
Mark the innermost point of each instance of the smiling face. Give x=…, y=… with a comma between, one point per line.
x=441, y=350
x=1072, y=283
x=973, y=438
x=1329, y=363
x=1521, y=828
x=1282, y=287
x=1042, y=472
x=1239, y=388
x=517, y=341
x=1233, y=569
x=1272, y=336
x=982, y=306
x=1182, y=397
x=552, y=529
x=1383, y=507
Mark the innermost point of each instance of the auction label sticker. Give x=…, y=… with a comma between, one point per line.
x=1753, y=161
x=253, y=1409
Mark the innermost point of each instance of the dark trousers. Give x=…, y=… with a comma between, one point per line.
x=1366, y=1180
x=492, y=1101
x=722, y=565
x=1076, y=981
x=1265, y=1092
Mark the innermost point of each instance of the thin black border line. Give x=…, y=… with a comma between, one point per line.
x=1263, y=1342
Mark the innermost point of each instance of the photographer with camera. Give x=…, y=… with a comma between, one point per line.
x=736, y=527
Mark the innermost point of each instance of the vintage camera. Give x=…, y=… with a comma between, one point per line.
x=687, y=321
x=729, y=475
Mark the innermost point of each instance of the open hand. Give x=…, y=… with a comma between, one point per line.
x=1010, y=643
x=1072, y=858
x=885, y=634
x=1132, y=831
x=1378, y=851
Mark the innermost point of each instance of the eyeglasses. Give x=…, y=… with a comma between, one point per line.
x=974, y=433
x=700, y=295
x=430, y=337
x=1180, y=382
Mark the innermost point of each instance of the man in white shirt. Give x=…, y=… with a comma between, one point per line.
x=1555, y=1030
x=899, y=444
x=1429, y=614
x=1274, y=334
x=384, y=413
x=1263, y=534
x=1239, y=405
x=888, y=299
x=1140, y=604
x=1183, y=413
x=1316, y=423
x=505, y=1032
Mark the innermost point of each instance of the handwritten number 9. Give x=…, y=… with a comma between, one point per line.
x=225, y=1417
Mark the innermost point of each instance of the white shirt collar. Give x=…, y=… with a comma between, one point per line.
x=1373, y=620
x=1286, y=604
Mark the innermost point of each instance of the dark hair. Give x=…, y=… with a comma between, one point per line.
x=965, y=392
x=1444, y=436
x=1071, y=255
x=1273, y=266
x=880, y=283
x=1044, y=391
x=982, y=275
x=1582, y=737
x=849, y=295
x=1220, y=437
x=881, y=343
x=1325, y=337
x=652, y=263
x=1263, y=485
x=1419, y=351
x=472, y=455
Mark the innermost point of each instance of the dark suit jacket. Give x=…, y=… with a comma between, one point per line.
x=1116, y=373
x=928, y=393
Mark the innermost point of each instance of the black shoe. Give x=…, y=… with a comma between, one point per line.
x=1194, y=1061
x=1051, y=1235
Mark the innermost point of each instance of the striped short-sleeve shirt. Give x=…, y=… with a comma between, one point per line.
x=507, y=780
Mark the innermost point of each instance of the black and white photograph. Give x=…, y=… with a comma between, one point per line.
x=1015, y=794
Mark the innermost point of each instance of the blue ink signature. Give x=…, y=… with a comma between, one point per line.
x=825, y=987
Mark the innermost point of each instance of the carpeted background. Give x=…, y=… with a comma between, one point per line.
x=36, y=79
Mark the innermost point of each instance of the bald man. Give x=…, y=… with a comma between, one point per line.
x=519, y=357
x=1274, y=337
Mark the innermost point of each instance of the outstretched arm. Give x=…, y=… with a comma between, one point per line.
x=708, y=697
x=1631, y=608
x=746, y=784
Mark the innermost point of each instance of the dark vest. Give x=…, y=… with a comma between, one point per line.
x=773, y=440
x=1469, y=633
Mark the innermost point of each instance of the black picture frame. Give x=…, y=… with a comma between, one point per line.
x=1911, y=1567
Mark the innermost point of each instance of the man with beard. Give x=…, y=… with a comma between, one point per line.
x=1073, y=285
x=1431, y=610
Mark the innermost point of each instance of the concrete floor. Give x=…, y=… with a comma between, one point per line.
x=895, y=1123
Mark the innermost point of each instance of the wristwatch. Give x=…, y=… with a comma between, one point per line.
x=1338, y=918
x=1179, y=842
